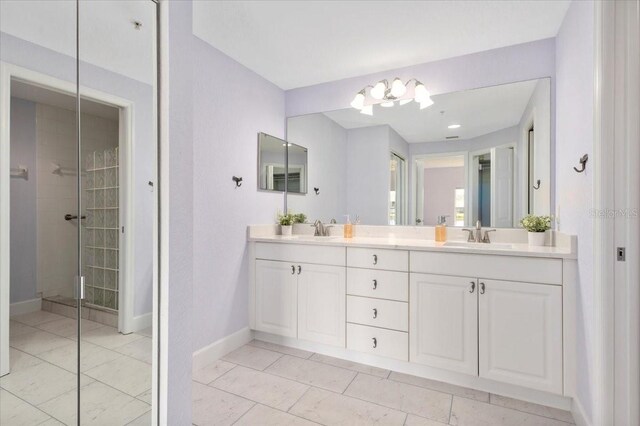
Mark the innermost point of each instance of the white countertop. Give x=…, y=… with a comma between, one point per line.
x=515, y=249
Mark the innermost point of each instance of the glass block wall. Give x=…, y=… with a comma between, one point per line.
x=101, y=239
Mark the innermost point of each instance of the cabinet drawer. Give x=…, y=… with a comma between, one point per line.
x=301, y=253
x=379, y=284
x=378, y=313
x=510, y=268
x=378, y=341
x=390, y=260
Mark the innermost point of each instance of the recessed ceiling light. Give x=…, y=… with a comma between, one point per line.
x=454, y=126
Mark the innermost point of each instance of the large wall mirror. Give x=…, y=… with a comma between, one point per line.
x=481, y=154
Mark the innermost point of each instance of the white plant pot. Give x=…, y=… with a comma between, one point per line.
x=536, y=238
x=286, y=229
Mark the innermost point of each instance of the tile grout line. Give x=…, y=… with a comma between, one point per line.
x=34, y=406
x=352, y=380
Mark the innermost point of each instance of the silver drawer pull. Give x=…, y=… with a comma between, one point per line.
x=481, y=288
x=375, y=343
x=375, y=313
x=293, y=269
x=375, y=284
x=375, y=259
x=299, y=269
x=473, y=287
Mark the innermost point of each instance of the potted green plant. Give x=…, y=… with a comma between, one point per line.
x=536, y=227
x=286, y=223
x=299, y=218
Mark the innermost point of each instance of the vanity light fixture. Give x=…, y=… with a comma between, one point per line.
x=454, y=126
x=387, y=94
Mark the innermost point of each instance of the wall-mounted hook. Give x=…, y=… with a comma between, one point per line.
x=537, y=185
x=238, y=181
x=583, y=162
x=316, y=190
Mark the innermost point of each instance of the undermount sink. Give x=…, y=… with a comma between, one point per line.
x=315, y=238
x=465, y=244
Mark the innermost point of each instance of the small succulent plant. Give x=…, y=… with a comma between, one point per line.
x=534, y=223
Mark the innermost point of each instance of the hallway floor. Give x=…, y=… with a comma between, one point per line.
x=266, y=384
x=41, y=388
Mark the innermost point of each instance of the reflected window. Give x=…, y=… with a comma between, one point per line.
x=458, y=207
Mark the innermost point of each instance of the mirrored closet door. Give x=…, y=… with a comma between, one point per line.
x=78, y=211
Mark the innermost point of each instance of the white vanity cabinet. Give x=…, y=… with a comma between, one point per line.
x=276, y=298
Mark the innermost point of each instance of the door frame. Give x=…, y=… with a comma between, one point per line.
x=8, y=72
x=616, y=376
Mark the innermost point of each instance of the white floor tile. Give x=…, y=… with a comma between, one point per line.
x=343, y=363
x=413, y=420
x=36, y=318
x=37, y=342
x=313, y=373
x=16, y=412
x=252, y=357
x=264, y=388
x=140, y=349
x=400, y=396
x=67, y=327
x=143, y=420
x=468, y=412
x=209, y=373
x=125, y=374
x=266, y=416
x=528, y=407
x=19, y=360
x=281, y=349
x=440, y=386
x=40, y=383
x=17, y=328
x=330, y=408
x=146, y=396
x=101, y=405
x=215, y=407
x=91, y=356
x=109, y=337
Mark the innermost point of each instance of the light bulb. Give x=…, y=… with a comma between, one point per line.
x=421, y=93
x=358, y=101
x=426, y=103
x=405, y=101
x=387, y=104
x=454, y=126
x=367, y=110
x=377, y=92
x=398, y=88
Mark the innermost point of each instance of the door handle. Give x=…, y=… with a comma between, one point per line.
x=375, y=313
x=299, y=269
x=375, y=284
x=481, y=288
x=375, y=259
x=473, y=287
x=375, y=343
x=293, y=269
x=73, y=216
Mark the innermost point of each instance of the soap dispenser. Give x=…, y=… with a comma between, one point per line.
x=348, y=227
x=441, y=229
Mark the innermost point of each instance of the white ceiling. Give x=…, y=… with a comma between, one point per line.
x=46, y=96
x=301, y=43
x=478, y=111
x=108, y=38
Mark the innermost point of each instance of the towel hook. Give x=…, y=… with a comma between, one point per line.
x=237, y=180
x=537, y=185
x=316, y=190
x=583, y=162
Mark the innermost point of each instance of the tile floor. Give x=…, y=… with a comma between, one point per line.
x=266, y=384
x=41, y=388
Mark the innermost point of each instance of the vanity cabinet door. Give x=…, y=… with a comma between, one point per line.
x=321, y=304
x=276, y=298
x=443, y=323
x=521, y=334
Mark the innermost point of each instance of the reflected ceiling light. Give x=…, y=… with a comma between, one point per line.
x=387, y=94
x=454, y=126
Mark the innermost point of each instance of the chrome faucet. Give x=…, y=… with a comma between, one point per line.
x=475, y=235
x=321, y=230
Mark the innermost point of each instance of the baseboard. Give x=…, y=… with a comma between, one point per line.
x=579, y=416
x=142, y=321
x=220, y=348
x=25, y=307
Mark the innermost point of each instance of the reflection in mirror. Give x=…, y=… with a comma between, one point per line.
x=482, y=154
x=271, y=163
x=297, y=166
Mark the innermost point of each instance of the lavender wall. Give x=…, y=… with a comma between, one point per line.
x=24, y=240
x=574, y=118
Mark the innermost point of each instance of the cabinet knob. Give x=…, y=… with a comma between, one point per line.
x=375, y=343
x=375, y=284
x=473, y=287
x=293, y=269
x=299, y=269
x=375, y=259
x=481, y=288
x=375, y=313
